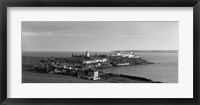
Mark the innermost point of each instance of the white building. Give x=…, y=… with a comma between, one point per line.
x=93, y=75
x=87, y=54
x=129, y=55
x=95, y=60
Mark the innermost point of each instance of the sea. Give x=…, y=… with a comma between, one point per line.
x=164, y=70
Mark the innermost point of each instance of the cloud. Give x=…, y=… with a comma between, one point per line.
x=76, y=34
x=137, y=36
x=45, y=26
x=119, y=36
x=29, y=34
x=54, y=34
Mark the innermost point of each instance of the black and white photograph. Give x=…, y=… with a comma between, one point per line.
x=99, y=51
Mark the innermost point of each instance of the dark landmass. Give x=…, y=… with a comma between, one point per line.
x=30, y=76
x=80, y=69
x=35, y=60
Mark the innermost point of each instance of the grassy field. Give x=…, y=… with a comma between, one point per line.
x=33, y=77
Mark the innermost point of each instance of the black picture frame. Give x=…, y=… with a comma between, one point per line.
x=99, y=3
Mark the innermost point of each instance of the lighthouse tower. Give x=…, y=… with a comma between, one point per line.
x=87, y=54
x=131, y=53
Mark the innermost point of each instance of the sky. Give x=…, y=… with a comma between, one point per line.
x=99, y=35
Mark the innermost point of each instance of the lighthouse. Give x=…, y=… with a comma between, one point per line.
x=131, y=53
x=87, y=54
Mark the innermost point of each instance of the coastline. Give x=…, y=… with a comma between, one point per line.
x=30, y=76
x=33, y=77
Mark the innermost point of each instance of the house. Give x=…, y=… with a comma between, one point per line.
x=93, y=75
x=94, y=60
x=125, y=54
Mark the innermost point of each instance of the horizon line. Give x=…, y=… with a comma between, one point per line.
x=99, y=51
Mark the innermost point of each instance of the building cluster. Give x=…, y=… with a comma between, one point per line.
x=95, y=60
x=124, y=54
x=87, y=59
x=85, y=65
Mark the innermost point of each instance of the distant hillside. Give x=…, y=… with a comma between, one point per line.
x=156, y=51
